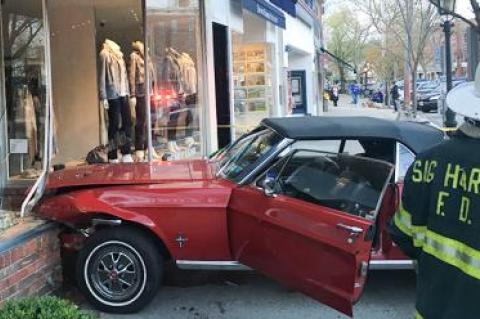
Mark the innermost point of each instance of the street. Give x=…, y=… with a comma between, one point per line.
x=246, y=295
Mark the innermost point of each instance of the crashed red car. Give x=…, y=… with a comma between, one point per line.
x=305, y=201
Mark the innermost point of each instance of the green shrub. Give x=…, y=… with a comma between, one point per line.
x=41, y=308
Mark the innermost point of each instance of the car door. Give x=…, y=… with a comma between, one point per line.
x=309, y=221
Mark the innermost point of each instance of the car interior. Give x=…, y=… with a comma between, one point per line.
x=347, y=175
x=342, y=182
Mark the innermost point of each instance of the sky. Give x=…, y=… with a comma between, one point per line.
x=464, y=8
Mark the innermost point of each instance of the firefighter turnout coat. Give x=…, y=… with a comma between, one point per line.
x=438, y=224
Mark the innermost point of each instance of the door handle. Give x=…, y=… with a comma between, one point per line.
x=354, y=231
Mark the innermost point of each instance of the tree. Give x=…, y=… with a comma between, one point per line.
x=347, y=38
x=411, y=23
x=475, y=24
x=385, y=63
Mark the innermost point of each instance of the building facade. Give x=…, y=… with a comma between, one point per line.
x=173, y=79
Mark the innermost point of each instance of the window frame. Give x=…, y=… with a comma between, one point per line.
x=399, y=145
x=291, y=154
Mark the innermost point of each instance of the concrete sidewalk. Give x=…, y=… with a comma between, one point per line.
x=345, y=108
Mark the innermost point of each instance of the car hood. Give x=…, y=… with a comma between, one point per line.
x=129, y=174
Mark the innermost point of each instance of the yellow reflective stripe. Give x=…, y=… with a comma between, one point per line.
x=453, y=252
x=419, y=233
x=418, y=315
x=403, y=220
x=401, y=226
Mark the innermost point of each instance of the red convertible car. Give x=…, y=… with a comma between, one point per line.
x=305, y=201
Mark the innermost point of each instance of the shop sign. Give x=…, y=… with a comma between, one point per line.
x=266, y=11
x=18, y=146
x=287, y=5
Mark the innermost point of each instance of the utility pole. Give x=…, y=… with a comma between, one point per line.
x=408, y=54
x=447, y=29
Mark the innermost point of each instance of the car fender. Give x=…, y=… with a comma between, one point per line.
x=78, y=209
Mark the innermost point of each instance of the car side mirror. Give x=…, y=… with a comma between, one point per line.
x=269, y=183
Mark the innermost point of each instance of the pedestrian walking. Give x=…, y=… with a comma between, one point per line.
x=395, y=95
x=356, y=94
x=350, y=91
x=438, y=222
x=335, y=94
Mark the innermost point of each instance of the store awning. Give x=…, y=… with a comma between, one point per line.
x=266, y=11
x=286, y=5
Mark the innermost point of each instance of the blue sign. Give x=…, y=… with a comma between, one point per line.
x=286, y=5
x=266, y=11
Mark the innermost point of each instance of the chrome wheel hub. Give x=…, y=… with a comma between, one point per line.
x=115, y=273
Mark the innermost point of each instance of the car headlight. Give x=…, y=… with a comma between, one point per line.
x=434, y=98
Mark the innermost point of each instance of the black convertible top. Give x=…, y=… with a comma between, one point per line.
x=418, y=137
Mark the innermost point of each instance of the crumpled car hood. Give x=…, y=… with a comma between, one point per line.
x=130, y=174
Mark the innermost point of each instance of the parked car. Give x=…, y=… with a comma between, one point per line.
x=429, y=102
x=427, y=87
x=303, y=200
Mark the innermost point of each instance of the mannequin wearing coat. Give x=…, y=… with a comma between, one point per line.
x=137, y=81
x=114, y=91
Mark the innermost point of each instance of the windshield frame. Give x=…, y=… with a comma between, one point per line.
x=266, y=158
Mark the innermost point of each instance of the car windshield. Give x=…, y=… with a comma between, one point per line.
x=245, y=154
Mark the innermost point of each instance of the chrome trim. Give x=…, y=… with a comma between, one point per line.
x=278, y=149
x=221, y=169
x=107, y=222
x=384, y=191
x=392, y=265
x=397, y=159
x=211, y=265
x=236, y=266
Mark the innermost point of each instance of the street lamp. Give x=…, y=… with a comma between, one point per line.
x=445, y=9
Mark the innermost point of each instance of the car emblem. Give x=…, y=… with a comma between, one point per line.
x=181, y=240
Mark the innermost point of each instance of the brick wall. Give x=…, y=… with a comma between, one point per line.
x=32, y=267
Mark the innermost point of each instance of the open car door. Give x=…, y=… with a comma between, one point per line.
x=309, y=222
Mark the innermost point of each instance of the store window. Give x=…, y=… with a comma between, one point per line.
x=175, y=49
x=98, y=81
x=23, y=115
x=252, y=74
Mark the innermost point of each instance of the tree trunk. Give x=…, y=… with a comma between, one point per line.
x=414, y=92
x=341, y=70
x=387, y=93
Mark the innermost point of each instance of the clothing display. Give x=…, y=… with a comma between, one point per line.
x=176, y=87
x=137, y=70
x=137, y=81
x=119, y=127
x=113, y=72
x=141, y=124
x=178, y=72
x=114, y=89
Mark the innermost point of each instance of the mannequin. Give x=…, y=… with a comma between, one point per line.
x=178, y=73
x=137, y=82
x=114, y=97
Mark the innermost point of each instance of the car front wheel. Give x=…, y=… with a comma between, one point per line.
x=119, y=270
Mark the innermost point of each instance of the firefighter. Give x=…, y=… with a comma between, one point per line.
x=438, y=221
